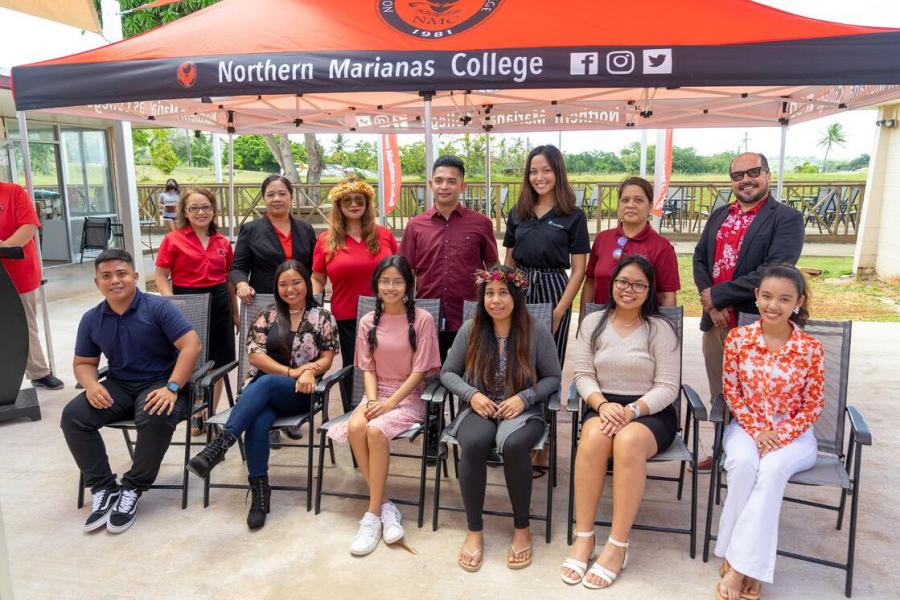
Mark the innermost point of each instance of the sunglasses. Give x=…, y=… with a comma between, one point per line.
x=754, y=172
x=353, y=201
x=620, y=247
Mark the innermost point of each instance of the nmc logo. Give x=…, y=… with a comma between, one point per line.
x=434, y=19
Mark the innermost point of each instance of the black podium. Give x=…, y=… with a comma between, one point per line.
x=14, y=403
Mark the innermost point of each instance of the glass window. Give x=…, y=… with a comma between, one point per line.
x=87, y=172
x=37, y=132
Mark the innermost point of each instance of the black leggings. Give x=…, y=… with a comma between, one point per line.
x=476, y=436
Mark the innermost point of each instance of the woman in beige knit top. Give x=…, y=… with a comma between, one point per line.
x=627, y=369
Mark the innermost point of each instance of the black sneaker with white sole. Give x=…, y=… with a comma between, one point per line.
x=124, y=512
x=102, y=503
x=48, y=382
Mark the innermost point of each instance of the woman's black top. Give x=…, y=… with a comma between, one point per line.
x=258, y=252
x=548, y=242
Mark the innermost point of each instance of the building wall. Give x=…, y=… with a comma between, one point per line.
x=878, y=243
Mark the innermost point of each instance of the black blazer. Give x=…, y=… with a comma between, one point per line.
x=258, y=252
x=775, y=236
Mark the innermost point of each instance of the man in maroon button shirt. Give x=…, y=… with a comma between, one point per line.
x=446, y=245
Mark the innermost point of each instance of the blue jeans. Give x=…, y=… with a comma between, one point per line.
x=263, y=400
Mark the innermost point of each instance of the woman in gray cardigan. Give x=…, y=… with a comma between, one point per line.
x=503, y=367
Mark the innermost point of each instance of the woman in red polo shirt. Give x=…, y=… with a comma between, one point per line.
x=197, y=259
x=634, y=235
x=347, y=253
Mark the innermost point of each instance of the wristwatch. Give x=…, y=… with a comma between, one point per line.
x=173, y=387
x=635, y=409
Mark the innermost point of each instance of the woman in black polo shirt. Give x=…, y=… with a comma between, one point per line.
x=546, y=235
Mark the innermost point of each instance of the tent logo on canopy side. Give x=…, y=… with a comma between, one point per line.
x=435, y=19
x=187, y=74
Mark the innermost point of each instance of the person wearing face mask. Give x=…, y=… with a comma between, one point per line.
x=633, y=235
x=738, y=241
x=168, y=204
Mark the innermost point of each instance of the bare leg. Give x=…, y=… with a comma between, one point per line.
x=594, y=450
x=379, y=460
x=356, y=431
x=632, y=446
x=217, y=394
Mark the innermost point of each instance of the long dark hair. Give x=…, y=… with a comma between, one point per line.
x=795, y=276
x=482, y=350
x=649, y=309
x=409, y=298
x=565, y=195
x=282, y=310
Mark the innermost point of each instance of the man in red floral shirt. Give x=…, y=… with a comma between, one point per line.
x=738, y=241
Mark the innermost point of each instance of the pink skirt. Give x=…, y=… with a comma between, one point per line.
x=410, y=411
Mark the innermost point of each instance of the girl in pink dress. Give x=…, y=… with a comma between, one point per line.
x=396, y=347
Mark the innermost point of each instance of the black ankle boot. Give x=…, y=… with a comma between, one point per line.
x=259, y=502
x=213, y=454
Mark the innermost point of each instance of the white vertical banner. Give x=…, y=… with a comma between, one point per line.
x=662, y=172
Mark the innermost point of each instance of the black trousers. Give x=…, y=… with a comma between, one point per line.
x=81, y=425
x=476, y=436
x=347, y=337
x=445, y=340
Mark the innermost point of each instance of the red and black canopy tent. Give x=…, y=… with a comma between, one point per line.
x=263, y=66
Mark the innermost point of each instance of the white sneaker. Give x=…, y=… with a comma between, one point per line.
x=367, y=537
x=390, y=522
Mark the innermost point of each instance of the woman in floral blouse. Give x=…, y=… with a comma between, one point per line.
x=773, y=383
x=289, y=344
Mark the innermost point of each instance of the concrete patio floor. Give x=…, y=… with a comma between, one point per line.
x=199, y=553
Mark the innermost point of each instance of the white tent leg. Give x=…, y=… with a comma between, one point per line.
x=217, y=156
x=429, y=148
x=382, y=218
x=29, y=186
x=231, y=187
x=643, y=153
x=781, y=162
x=488, y=205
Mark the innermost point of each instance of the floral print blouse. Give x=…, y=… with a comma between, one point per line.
x=317, y=333
x=759, y=384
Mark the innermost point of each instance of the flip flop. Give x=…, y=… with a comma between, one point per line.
x=519, y=565
x=723, y=571
x=477, y=554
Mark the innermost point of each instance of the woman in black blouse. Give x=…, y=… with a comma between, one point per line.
x=546, y=235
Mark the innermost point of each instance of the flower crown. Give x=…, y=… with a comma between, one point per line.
x=516, y=278
x=345, y=188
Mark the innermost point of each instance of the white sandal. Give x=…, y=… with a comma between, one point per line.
x=576, y=565
x=602, y=572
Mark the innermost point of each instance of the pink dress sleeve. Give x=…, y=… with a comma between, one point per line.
x=363, y=359
x=427, y=357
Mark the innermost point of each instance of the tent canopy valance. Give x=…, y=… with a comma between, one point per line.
x=263, y=66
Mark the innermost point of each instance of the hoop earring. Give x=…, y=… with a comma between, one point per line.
x=797, y=311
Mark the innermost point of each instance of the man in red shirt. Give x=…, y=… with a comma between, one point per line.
x=738, y=241
x=18, y=222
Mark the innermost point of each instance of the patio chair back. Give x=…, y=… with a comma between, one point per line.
x=835, y=339
x=674, y=314
x=721, y=200
x=195, y=308
x=579, y=197
x=542, y=313
x=248, y=315
x=96, y=234
x=365, y=305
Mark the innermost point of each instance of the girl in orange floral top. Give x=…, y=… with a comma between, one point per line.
x=773, y=382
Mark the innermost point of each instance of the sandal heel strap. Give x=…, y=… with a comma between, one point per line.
x=585, y=534
x=617, y=543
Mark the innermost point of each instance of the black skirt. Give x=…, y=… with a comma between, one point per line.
x=221, y=343
x=663, y=425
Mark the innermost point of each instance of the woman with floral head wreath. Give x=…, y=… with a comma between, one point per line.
x=503, y=367
x=347, y=254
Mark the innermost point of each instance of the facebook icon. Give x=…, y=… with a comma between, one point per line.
x=584, y=63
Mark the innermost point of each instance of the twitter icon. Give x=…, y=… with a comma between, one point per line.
x=658, y=61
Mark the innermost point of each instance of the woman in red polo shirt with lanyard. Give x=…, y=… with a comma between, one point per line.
x=197, y=259
x=634, y=235
x=347, y=254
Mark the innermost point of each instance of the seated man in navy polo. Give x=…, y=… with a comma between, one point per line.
x=151, y=351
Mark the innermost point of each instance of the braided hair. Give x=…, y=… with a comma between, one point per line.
x=409, y=298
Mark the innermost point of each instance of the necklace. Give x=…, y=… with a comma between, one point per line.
x=631, y=324
x=295, y=311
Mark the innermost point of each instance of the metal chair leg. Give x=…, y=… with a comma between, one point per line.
x=572, y=451
x=187, y=457
x=309, y=464
x=320, y=479
x=423, y=474
x=437, y=489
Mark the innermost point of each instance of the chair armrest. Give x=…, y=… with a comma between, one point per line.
x=718, y=410
x=435, y=392
x=574, y=401
x=324, y=384
x=553, y=403
x=213, y=376
x=698, y=409
x=859, y=427
x=199, y=372
x=332, y=422
x=102, y=372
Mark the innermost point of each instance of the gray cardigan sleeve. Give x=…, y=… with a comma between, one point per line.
x=455, y=366
x=549, y=373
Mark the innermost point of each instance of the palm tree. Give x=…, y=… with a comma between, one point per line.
x=833, y=136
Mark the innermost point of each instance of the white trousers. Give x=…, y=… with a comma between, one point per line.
x=748, y=528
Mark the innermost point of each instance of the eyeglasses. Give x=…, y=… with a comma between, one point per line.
x=754, y=172
x=638, y=287
x=206, y=208
x=391, y=283
x=353, y=201
x=620, y=247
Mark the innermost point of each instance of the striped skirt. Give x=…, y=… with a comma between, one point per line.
x=547, y=286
